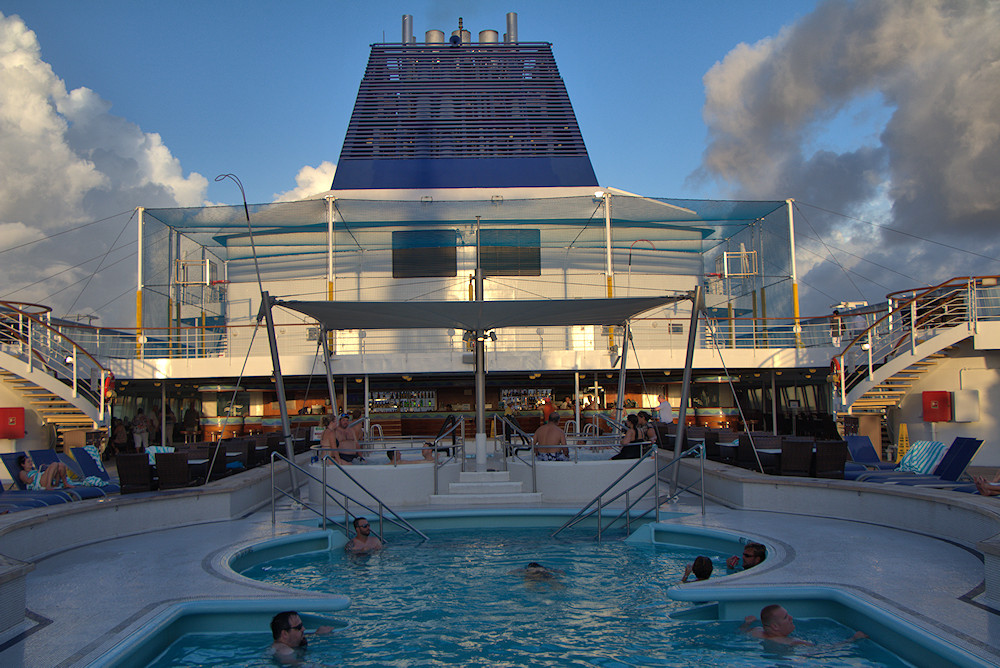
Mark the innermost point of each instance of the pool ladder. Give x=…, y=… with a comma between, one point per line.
x=383, y=512
x=598, y=503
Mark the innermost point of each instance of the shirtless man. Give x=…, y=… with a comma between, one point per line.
x=327, y=443
x=363, y=540
x=778, y=626
x=346, y=442
x=289, y=636
x=547, y=437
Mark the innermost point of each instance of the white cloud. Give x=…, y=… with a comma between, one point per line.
x=66, y=160
x=932, y=167
x=310, y=181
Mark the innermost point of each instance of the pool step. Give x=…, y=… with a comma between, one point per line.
x=483, y=488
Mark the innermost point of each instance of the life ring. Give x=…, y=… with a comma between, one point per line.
x=835, y=367
x=109, y=386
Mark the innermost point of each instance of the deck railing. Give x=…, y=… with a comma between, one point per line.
x=912, y=317
x=25, y=334
x=303, y=338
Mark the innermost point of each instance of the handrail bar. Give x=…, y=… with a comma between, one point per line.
x=574, y=520
x=369, y=493
x=327, y=493
x=584, y=514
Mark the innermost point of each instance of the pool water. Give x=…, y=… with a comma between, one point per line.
x=459, y=599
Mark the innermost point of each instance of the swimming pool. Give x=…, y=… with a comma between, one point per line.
x=458, y=600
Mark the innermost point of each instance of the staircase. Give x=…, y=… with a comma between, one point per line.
x=881, y=365
x=53, y=376
x=483, y=489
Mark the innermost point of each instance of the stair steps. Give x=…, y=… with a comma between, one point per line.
x=485, y=488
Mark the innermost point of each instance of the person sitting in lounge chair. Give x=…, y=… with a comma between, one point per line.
x=55, y=476
x=988, y=487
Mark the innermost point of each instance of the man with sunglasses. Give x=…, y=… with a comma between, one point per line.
x=753, y=555
x=363, y=540
x=289, y=636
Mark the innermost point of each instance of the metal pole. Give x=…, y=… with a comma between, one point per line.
x=138, y=291
x=795, y=276
x=608, y=271
x=330, y=386
x=576, y=398
x=279, y=386
x=322, y=464
x=774, y=403
x=163, y=413
x=696, y=306
x=480, y=369
x=620, y=403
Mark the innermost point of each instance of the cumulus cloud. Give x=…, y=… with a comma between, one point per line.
x=66, y=160
x=930, y=170
x=310, y=181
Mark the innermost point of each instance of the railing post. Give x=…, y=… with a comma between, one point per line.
x=656, y=481
x=72, y=363
x=30, y=339
x=273, y=495
x=628, y=515
x=599, y=520
x=871, y=365
x=913, y=325
x=322, y=463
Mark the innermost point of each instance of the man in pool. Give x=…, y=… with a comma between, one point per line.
x=753, y=554
x=363, y=540
x=548, y=437
x=778, y=626
x=289, y=636
x=535, y=575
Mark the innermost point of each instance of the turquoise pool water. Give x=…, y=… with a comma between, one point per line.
x=459, y=600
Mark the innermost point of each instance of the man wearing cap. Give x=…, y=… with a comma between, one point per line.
x=346, y=439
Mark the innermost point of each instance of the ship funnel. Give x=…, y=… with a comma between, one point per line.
x=434, y=37
x=511, y=35
x=488, y=37
x=407, y=28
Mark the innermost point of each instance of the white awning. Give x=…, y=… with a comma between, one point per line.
x=472, y=316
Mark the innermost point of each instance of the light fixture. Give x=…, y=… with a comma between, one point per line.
x=610, y=375
x=599, y=194
x=407, y=378
x=359, y=380
x=69, y=359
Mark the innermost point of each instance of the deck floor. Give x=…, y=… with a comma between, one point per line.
x=85, y=600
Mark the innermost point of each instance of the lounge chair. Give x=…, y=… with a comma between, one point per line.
x=93, y=467
x=863, y=458
x=48, y=497
x=945, y=474
x=44, y=458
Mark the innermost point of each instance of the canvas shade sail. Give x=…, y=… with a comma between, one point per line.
x=476, y=316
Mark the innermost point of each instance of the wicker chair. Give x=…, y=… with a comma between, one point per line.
x=135, y=474
x=830, y=459
x=173, y=471
x=796, y=457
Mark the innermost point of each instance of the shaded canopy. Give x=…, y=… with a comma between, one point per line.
x=473, y=316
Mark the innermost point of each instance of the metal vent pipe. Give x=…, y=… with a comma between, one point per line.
x=407, y=28
x=511, y=35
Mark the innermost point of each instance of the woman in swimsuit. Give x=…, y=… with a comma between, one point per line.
x=55, y=476
x=629, y=450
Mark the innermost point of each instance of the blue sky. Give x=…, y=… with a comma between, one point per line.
x=262, y=89
x=880, y=110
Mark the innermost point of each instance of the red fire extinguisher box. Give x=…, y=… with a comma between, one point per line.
x=11, y=423
x=937, y=406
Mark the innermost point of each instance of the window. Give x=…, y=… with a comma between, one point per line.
x=509, y=252
x=422, y=253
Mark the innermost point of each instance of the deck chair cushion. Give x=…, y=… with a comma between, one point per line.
x=923, y=457
x=95, y=454
x=153, y=449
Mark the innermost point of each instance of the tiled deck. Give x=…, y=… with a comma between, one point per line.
x=84, y=600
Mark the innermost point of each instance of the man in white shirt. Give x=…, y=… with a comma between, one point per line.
x=665, y=410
